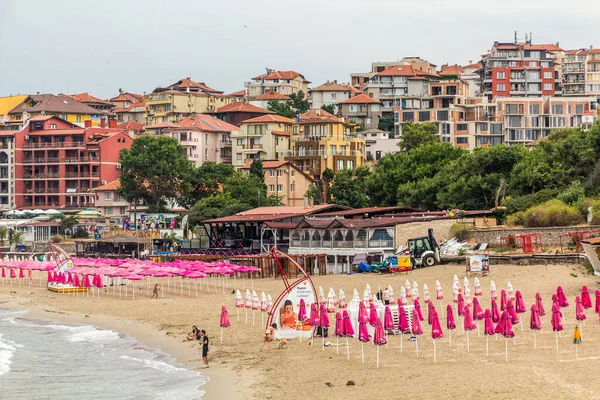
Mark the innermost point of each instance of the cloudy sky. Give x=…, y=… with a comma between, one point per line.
x=73, y=46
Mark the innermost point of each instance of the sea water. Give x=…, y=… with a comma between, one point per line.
x=45, y=359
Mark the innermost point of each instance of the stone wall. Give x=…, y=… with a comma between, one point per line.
x=550, y=236
x=441, y=230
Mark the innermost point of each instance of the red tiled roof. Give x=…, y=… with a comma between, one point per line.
x=397, y=70
x=286, y=75
x=578, y=51
x=506, y=46
x=360, y=99
x=131, y=107
x=417, y=78
x=476, y=65
x=275, y=213
x=58, y=104
x=367, y=210
x=110, y=186
x=268, y=164
x=334, y=87
x=204, y=122
x=280, y=225
x=241, y=107
x=594, y=51
x=239, y=93
x=452, y=70
x=126, y=96
x=185, y=83
x=270, y=118
x=131, y=126
x=163, y=125
x=281, y=133
x=547, y=47
x=41, y=118
x=87, y=98
x=272, y=96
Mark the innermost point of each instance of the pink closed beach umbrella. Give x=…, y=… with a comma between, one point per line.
x=76, y=281
x=430, y=311
x=388, y=319
x=450, y=322
x=323, y=322
x=488, y=329
x=302, y=311
x=579, y=312
x=586, y=300
x=478, y=314
x=403, y=325
x=535, y=323
x=556, y=321
x=224, y=321
x=363, y=337
x=436, y=331
x=379, y=338
x=503, y=300
x=505, y=330
x=342, y=303
x=519, y=303
x=539, y=305
x=339, y=330
x=417, y=306
x=12, y=273
x=597, y=308
x=468, y=324
x=460, y=304
x=49, y=275
x=348, y=330
x=363, y=315
x=417, y=328
x=510, y=307
x=562, y=299
x=314, y=315
x=372, y=314
x=495, y=312
x=21, y=275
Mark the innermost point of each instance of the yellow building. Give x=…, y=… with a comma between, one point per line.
x=267, y=137
x=64, y=107
x=7, y=104
x=285, y=180
x=181, y=99
x=322, y=140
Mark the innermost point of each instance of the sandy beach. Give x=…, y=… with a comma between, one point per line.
x=239, y=371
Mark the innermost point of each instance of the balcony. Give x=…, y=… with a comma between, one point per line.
x=85, y=174
x=53, y=145
x=252, y=147
x=226, y=143
x=49, y=175
x=81, y=159
x=343, y=244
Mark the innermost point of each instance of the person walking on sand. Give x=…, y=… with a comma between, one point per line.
x=155, y=291
x=269, y=336
x=204, y=340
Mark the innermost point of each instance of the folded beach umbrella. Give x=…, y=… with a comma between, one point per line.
x=388, y=319
x=363, y=337
x=493, y=292
x=503, y=299
x=468, y=324
x=314, y=319
x=403, y=296
x=478, y=314
x=585, y=297
x=348, y=330
x=239, y=303
x=488, y=329
x=403, y=325
x=417, y=328
x=562, y=299
x=535, y=323
x=321, y=295
x=510, y=291
x=510, y=307
x=269, y=301
x=248, y=303
x=339, y=330
x=436, y=332
x=426, y=296
x=342, y=299
x=372, y=314
x=455, y=292
x=439, y=294
x=363, y=314
x=255, y=301
x=477, y=287
x=12, y=273
x=461, y=304
x=418, y=309
x=579, y=310
x=556, y=321
x=76, y=280
x=264, y=306
x=408, y=288
x=302, y=311
x=21, y=273
x=430, y=311
x=539, y=305
x=415, y=290
x=355, y=296
x=331, y=301
x=379, y=338
x=224, y=321
x=391, y=294
x=323, y=322
x=597, y=308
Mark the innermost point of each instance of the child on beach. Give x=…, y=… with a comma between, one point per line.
x=204, y=340
x=155, y=291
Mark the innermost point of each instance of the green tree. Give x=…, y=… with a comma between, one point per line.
x=156, y=170
x=325, y=183
x=249, y=189
x=282, y=108
x=349, y=188
x=205, y=181
x=415, y=135
x=386, y=123
x=68, y=223
x=329, y=108
x=215, y=206
x=299, y=102
x=256, y=169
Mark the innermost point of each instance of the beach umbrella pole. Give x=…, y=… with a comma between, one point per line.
x=253, y=318
x=417, y=344
x=323, y=337
x=362, y=351
x=337, y=344
x=221, y=335
x=238, y=314
x=347, y=348
x=487, y=345
x=534, y=340
x=506, y=348
x=401, y=340
x=377, y=356
x=576, y=354
x=557, y=343
x=468, y=347
x=434, y=349
x=450, y=337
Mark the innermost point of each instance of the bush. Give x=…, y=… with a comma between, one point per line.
x=516, y=219
x=459, y=231
x=522, y=203
x=57, y=239
x=80, y=233
x=572, y=193
x=552, y=213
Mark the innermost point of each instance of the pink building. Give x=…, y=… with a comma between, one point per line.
x=204, y=137
x=111, y=204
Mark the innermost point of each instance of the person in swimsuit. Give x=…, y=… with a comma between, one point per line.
x=287, y=316
x=204, y=340
x=155, y=291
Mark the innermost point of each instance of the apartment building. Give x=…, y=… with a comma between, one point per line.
x=526, y=120
x=203, y=137
x=7, y=169
x=378, y=144
x=574, y=71
x=181, y=99
x=359, y=80
x=111, y=204
x=267, y=137
x=238, y=112
x=362, y=110
x=57, y=163
x=325, y=141
x=61, y=106
x=592, y=76
x=94, y=102
x=283, y=82
x=285, y=180
x=331, y=94
x=521, y=69
x=263, y=100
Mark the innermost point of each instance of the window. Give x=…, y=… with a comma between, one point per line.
x=279, y=172
x=545, y=64
x=408, y=116
x=378, y=154
x=579, y=109
x=79, y=118
x=109, y=210
x=512, y=63
x=375, y=107
x=333, y=95
x=424, y=116
x=462, y=140
x=495, y=129
x=368, y=121
x=323, y=130
x=514, y=121
x=514, y=108
x=557, y=109
x=501, y=75
x=240, y=142
x=533, y=75
x=271, y=188
x=534, y=109
x=548, y=75
x=461, y=127
x=107, y=195
x=350, y=164
x=271, y=173
x=530, y=134
x=532, y=63
x=547, y=86
x=353, y=108
x=332, y=149
x=205, y=153
x=253, y=89
x=501, y=87
x=295, y=130
x=280, y=188
x=292, y=187
x=293, y=172
x=340, y=165
x=183, y=136
x=238, y=156
x=442, y=115
x=533, y=87
x=515, y=134
x=52, y=126
x=122, y=210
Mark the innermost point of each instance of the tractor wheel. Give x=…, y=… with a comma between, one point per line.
x=428, y=261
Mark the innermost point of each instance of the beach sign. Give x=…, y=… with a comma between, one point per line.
x=478, y=264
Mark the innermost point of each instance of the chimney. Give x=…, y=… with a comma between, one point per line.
x=102, y=123
x=120, y=91
x=112, y=123
x=470, y=62
x=335, y=81
x=88, y=123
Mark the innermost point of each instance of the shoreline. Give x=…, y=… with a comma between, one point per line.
x=222, y=381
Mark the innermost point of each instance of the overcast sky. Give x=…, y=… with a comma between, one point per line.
x=74, y=46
